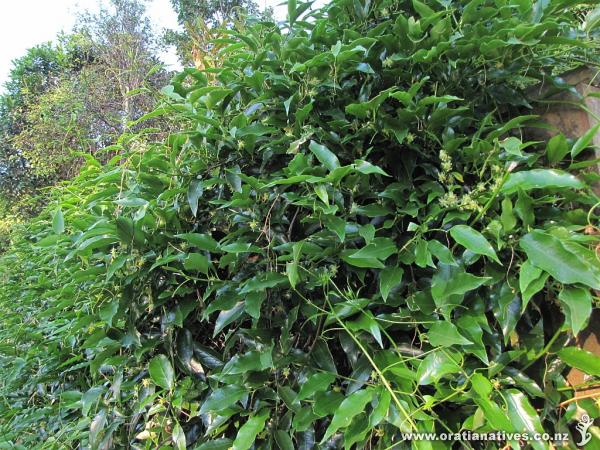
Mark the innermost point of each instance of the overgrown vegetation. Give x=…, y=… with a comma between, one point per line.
x=351, y=237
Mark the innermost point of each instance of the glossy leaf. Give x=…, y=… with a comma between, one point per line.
x=248, y=432
x=585, y=140
x=540, y=179
x=548, y=253
x=350, y=407
x=317, y=382
x=193, y=194
x=324, y=155
x=223, y=398
x=577, y=303
x=161, y=372
x=445, y=333
x=557, y=148
x=389, y=278
x=473, y=240
x=581, y=359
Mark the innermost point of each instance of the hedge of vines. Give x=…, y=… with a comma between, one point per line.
x=352, y=237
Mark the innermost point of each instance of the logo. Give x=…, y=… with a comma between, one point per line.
x=582, y=426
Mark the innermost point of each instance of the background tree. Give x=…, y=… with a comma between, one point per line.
x=213, y=12
x=200, y=20
x=74, y=97
x=125, y=50
x=32, y=75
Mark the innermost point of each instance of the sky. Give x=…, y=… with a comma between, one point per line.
x=26, y=23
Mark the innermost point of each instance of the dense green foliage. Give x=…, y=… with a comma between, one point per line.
x=351, y=237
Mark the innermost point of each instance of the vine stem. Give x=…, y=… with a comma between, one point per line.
x=544, y=350
x=375, y=367
x=365, y=352
x=581, y=397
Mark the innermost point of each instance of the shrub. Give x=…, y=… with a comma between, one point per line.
x=351, y=238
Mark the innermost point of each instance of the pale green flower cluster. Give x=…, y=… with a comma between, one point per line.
x=469, y=201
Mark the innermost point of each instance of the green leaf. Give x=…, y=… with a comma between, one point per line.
x=326, y=403
x=108, y=311
x=132, y=202
x=524, y=209
x=185, y=353
x=247, y=433
x=435, y=366
x=367, y=322
x=292, y=267
x=584, y=141
x=240, y=247
x=223, y=398
x=324, y=155
x=178, y=437
x=380, y=248
x=317, y=382
x=161, y=372
x=470, y=326
x=367, y=168
x=351, y=406
x=522, y=415
x=321, y=192
x=445, y=334
x=58, y=222
x=262, y=281
x=125, y=230
x=249, y=362
x=365, y=263
x=193, y=194
x=507, y=309
x=323, y=357
x=557, y=148
x=291, y=11
x=284, y=441
x=200, y=241
x=507, y=217
x=548, y=253
x=577, y=303
x=381, y=410
x=473, y=240
x=494, y=415
x=165, y=260
x=254, y=301
x=531, y=280
x=335, y=224
x=449, y=285
x=367, y=232
x=540, y=179
x=512, y=145
x=481, y=385
x=196, y=261
x=89, y=399
x=228, y=316
x=581, y=359
x=441, y=252
x=389, y=278
x=423, y=10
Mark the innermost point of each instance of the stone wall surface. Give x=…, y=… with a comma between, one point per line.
x=573, y=114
